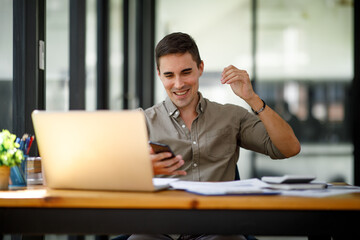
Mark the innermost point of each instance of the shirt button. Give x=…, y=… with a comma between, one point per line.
x=194, y=142
x=183, y=126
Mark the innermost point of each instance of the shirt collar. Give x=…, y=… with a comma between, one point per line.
x=173, y=111
x=201, y=105
x=171, y=108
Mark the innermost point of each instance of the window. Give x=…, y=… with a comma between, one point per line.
x=90, y=55
x=57, y=55
x=305, y=68
x=116, y=55
x=6, y=63
x=57, y=85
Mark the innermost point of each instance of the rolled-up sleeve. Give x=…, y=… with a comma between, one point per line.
x=253, y=136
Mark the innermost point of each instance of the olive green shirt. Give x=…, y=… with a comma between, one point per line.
x=211, y=149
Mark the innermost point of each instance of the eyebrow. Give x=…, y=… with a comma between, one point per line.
x=184, y=70
x=167, y=73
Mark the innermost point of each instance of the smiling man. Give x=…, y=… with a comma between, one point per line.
x=180, y=77
x=207, y=135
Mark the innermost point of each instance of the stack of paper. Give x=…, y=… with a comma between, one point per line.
x=242, y=187
x=255, y=186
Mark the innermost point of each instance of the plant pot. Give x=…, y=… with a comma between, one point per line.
x=4, y=177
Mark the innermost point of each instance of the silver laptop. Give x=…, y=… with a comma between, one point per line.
x=99, y=150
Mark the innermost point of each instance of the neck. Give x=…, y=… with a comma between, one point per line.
x=188, y=113
x=188, y=117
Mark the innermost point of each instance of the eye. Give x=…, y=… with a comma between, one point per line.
x=168, y=75
x=187, y=72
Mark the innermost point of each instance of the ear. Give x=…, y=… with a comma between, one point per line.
x=201, y=67
x=159, y=75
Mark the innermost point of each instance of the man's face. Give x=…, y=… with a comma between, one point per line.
x=180, y=74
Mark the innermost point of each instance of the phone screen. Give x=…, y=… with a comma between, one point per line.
x=160, y=147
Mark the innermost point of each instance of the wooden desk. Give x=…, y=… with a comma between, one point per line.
x=42, y=211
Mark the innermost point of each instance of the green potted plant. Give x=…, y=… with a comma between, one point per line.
x=10, y=156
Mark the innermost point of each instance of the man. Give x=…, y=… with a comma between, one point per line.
x=207, y=135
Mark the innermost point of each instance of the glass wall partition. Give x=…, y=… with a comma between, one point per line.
x=57, y=85
x=90, y=62
x=6, y=64
x=116, y=55
x=304, y=71
x=57, y=54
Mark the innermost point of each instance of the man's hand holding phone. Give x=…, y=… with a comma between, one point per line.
x=164, y=160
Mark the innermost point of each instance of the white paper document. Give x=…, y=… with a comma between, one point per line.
x=330, y=191
x=255, y=186
x=163, y=183
x=242, y=187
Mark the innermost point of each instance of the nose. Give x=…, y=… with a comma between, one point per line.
x=178, y=84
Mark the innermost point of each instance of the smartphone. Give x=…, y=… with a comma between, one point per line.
x=160, y=147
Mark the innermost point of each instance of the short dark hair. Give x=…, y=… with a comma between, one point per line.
x=177, y=43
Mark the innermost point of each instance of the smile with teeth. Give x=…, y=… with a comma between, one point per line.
x=181, y=93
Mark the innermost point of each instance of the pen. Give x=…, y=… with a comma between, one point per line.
x=27, y=141
x=30, y=143
x=23, y=142
x=22, y=147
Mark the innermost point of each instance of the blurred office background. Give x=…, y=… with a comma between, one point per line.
x=299, y=54
x=302, y=66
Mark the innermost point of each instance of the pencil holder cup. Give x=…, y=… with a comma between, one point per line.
x=34, y=171
x=18, y=174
